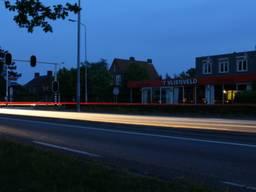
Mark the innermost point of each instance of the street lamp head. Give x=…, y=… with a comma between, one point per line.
x=75, y=21
x=72, y=20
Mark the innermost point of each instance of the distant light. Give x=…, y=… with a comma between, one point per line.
x=224, y=91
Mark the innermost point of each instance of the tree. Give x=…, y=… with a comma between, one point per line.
x=99, y=83
x=190, y=73
x=33, y=13
x=167, y=76
x=67, y=84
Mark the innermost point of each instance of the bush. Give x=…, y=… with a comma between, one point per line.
x=246, y=97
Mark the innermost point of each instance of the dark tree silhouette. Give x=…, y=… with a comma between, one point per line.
x=33, y=13
x=99, y=82
x=190, y=73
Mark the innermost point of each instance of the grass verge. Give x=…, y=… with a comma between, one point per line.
x=25, y=168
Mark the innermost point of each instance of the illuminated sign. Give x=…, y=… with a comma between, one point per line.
x=179, y=82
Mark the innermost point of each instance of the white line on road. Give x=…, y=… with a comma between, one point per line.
x=233, y=184
x=67, y=149
x=135, y=133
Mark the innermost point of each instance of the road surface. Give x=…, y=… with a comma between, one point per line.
x=248, y=126
x=226, y=157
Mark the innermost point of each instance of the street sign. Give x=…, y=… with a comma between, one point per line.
x=116, y=91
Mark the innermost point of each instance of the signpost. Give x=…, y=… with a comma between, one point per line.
x=116, y=92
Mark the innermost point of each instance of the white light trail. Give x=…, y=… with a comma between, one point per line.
x=248, y=126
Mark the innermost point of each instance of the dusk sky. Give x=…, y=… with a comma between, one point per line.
x=171, y=32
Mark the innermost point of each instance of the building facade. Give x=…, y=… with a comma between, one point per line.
x=121, y=70
x=218, y=80
x=223, y=76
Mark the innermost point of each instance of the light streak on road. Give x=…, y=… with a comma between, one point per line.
x=248, y=126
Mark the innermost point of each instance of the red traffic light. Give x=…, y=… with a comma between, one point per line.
x=8, y=58
x=33, y=61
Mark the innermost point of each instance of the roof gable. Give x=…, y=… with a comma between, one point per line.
x=120, y=66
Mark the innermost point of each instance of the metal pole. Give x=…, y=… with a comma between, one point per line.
x=78, y=60
x=183, y=94
x=160, y=95
x=223, y=94
x=195, y=95
x=55, y=79
x=7, y=84
x=85, y=65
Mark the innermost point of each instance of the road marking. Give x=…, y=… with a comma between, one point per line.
x=67, y=149
x=135, y=133
x=233, y=184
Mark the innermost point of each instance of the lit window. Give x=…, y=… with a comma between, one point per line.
x=223, y=66
x=242, y=64
x=207, y=67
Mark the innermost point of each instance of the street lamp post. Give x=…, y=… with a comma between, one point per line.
x=85, y=65
x=78, y=60
x=85, y=60
x=7, y=84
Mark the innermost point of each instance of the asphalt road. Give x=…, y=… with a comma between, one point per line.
x=228, y=158
x=236, y=125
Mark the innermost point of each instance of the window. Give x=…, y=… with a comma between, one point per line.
x=242, y=64
x=223, y=66
x=207, y=67
x=118, y=80
x=242, y=87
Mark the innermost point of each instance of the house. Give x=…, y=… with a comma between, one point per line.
x=40, y=87
x=120, y=66
x=222, y=76
x=218, y=80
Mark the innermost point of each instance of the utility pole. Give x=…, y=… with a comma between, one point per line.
x=85, y=60
x=85, y=65
x=7, y=83
x=78, y=96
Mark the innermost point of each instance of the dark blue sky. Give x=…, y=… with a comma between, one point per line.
x=171, y=32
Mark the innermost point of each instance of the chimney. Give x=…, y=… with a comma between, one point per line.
x=37, y=75
x=150, y=61
x=132, y=59
x=49, y=73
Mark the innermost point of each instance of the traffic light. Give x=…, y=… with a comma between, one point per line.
x=55, y=86
x=33, y=61
x=8, y=58
x=2, y=55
